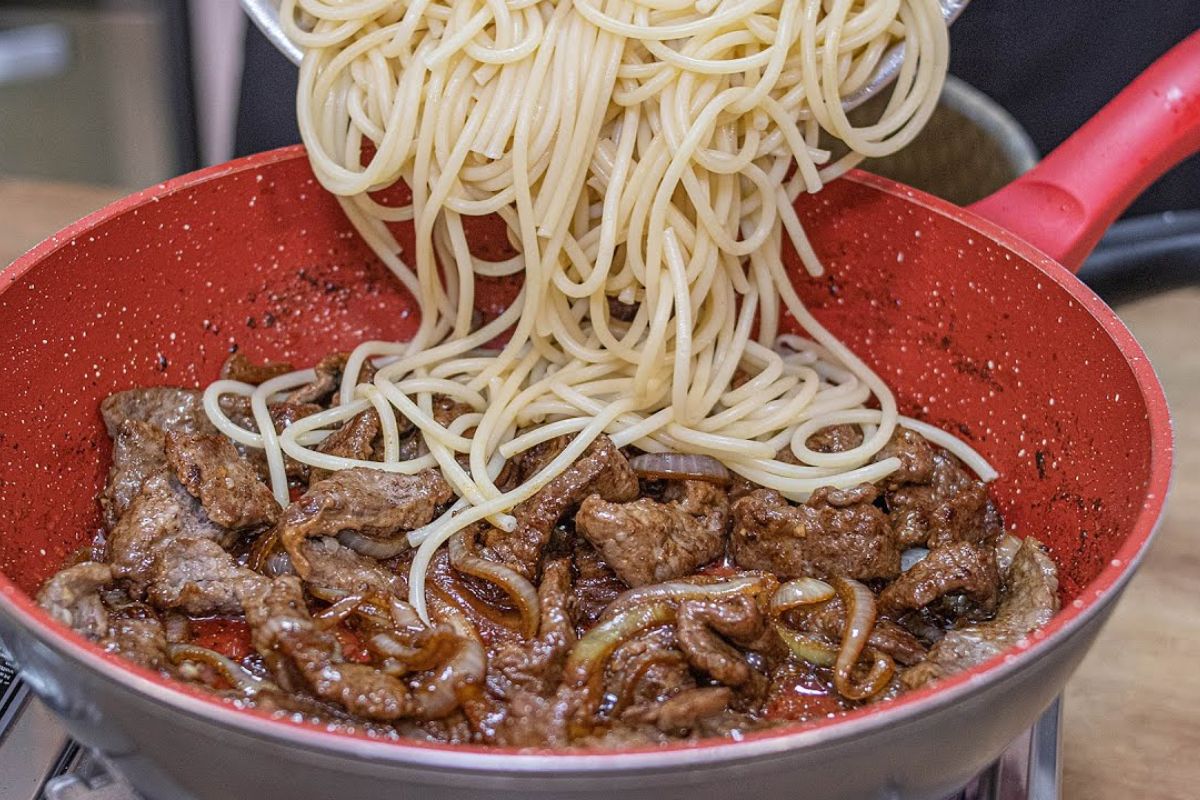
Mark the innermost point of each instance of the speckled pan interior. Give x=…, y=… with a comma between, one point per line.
x=974, y=331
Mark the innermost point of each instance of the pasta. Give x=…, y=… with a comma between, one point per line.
x=642, y=153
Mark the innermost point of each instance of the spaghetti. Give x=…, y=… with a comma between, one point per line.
x=643, y=152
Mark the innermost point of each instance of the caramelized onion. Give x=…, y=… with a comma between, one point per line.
x=238, y=676
x=686, y=589
x=585, y=662
x=680, y=466
x=800, y=592
x=813, y=649
x=859, y=603
x=518, y=588
x=371, y=547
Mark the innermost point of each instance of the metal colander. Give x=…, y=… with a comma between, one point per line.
x=969, y=149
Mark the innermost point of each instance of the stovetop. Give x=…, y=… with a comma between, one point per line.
x=38, y=760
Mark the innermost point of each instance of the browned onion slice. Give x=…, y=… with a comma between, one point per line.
x=694, y=588
x=519, y=589
x=381, y=549
x=800, y=592
x=859, y=603
x=813, y=649
x=238, y=676
x=680, y=466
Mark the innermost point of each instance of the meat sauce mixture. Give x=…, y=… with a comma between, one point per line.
x=668, y=607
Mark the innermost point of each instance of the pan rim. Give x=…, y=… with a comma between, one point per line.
x=1096, y=596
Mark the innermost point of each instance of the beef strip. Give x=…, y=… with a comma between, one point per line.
x=958, y=568
x=137, y=635
x=284, y=633
x=369, y=501
x=197, y=577
x=601, y=470
x=916, y=459
x=329, y=372
x=646, y=541
x=240, y=368
x=835, y=533
x=228, y=488
x=447, y=409
x=596, y=585
x=72, y=596
x=333, y=566
x=161, y=512
x=1028, y=601
x=139, y=451
x=835, y=439
x=537, y=665
x=648, y=669
x=354, y=439
x=703, y=628
x=685, y=712
x=166, y=549
x=828, y=619
x=238, y=410
x=935, y=501
x=164, y=407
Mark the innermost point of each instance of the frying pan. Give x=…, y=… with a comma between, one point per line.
x=972, y=316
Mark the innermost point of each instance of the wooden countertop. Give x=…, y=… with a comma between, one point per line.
x=1131, y=727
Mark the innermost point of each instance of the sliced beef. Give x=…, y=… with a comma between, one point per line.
x=528, y=718
x=160, y=513
x=646, y=541
x=537, y=665
x=705, y=629
x=916, y=459
x=138, y=635
x=164, y=407
x=283, y=414
x=648, y=669
x=228, y=488
x=167, y=550
x=950, y=506
x=240, y=368
x=355, y=439
x=835, y=439
x=835, y=533
x=1028, y=601
x=329, y=372
x=958, y=568
x=333, y=566
x=828, y=619
x=197, y=577
x=369, y=501
x=303, y=653
x=240, y=412
x=681, y=714
x=596, y=585
x=139, y=451
x=447, y=409
x=601, y=470
x=72, y=597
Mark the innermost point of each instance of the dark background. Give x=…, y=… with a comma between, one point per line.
x=1051, y=64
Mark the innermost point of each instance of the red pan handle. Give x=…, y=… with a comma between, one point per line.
x=1065, y=203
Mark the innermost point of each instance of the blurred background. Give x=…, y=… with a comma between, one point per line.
x=125, y=93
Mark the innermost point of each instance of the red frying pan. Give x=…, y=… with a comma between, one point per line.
x=972, y=316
